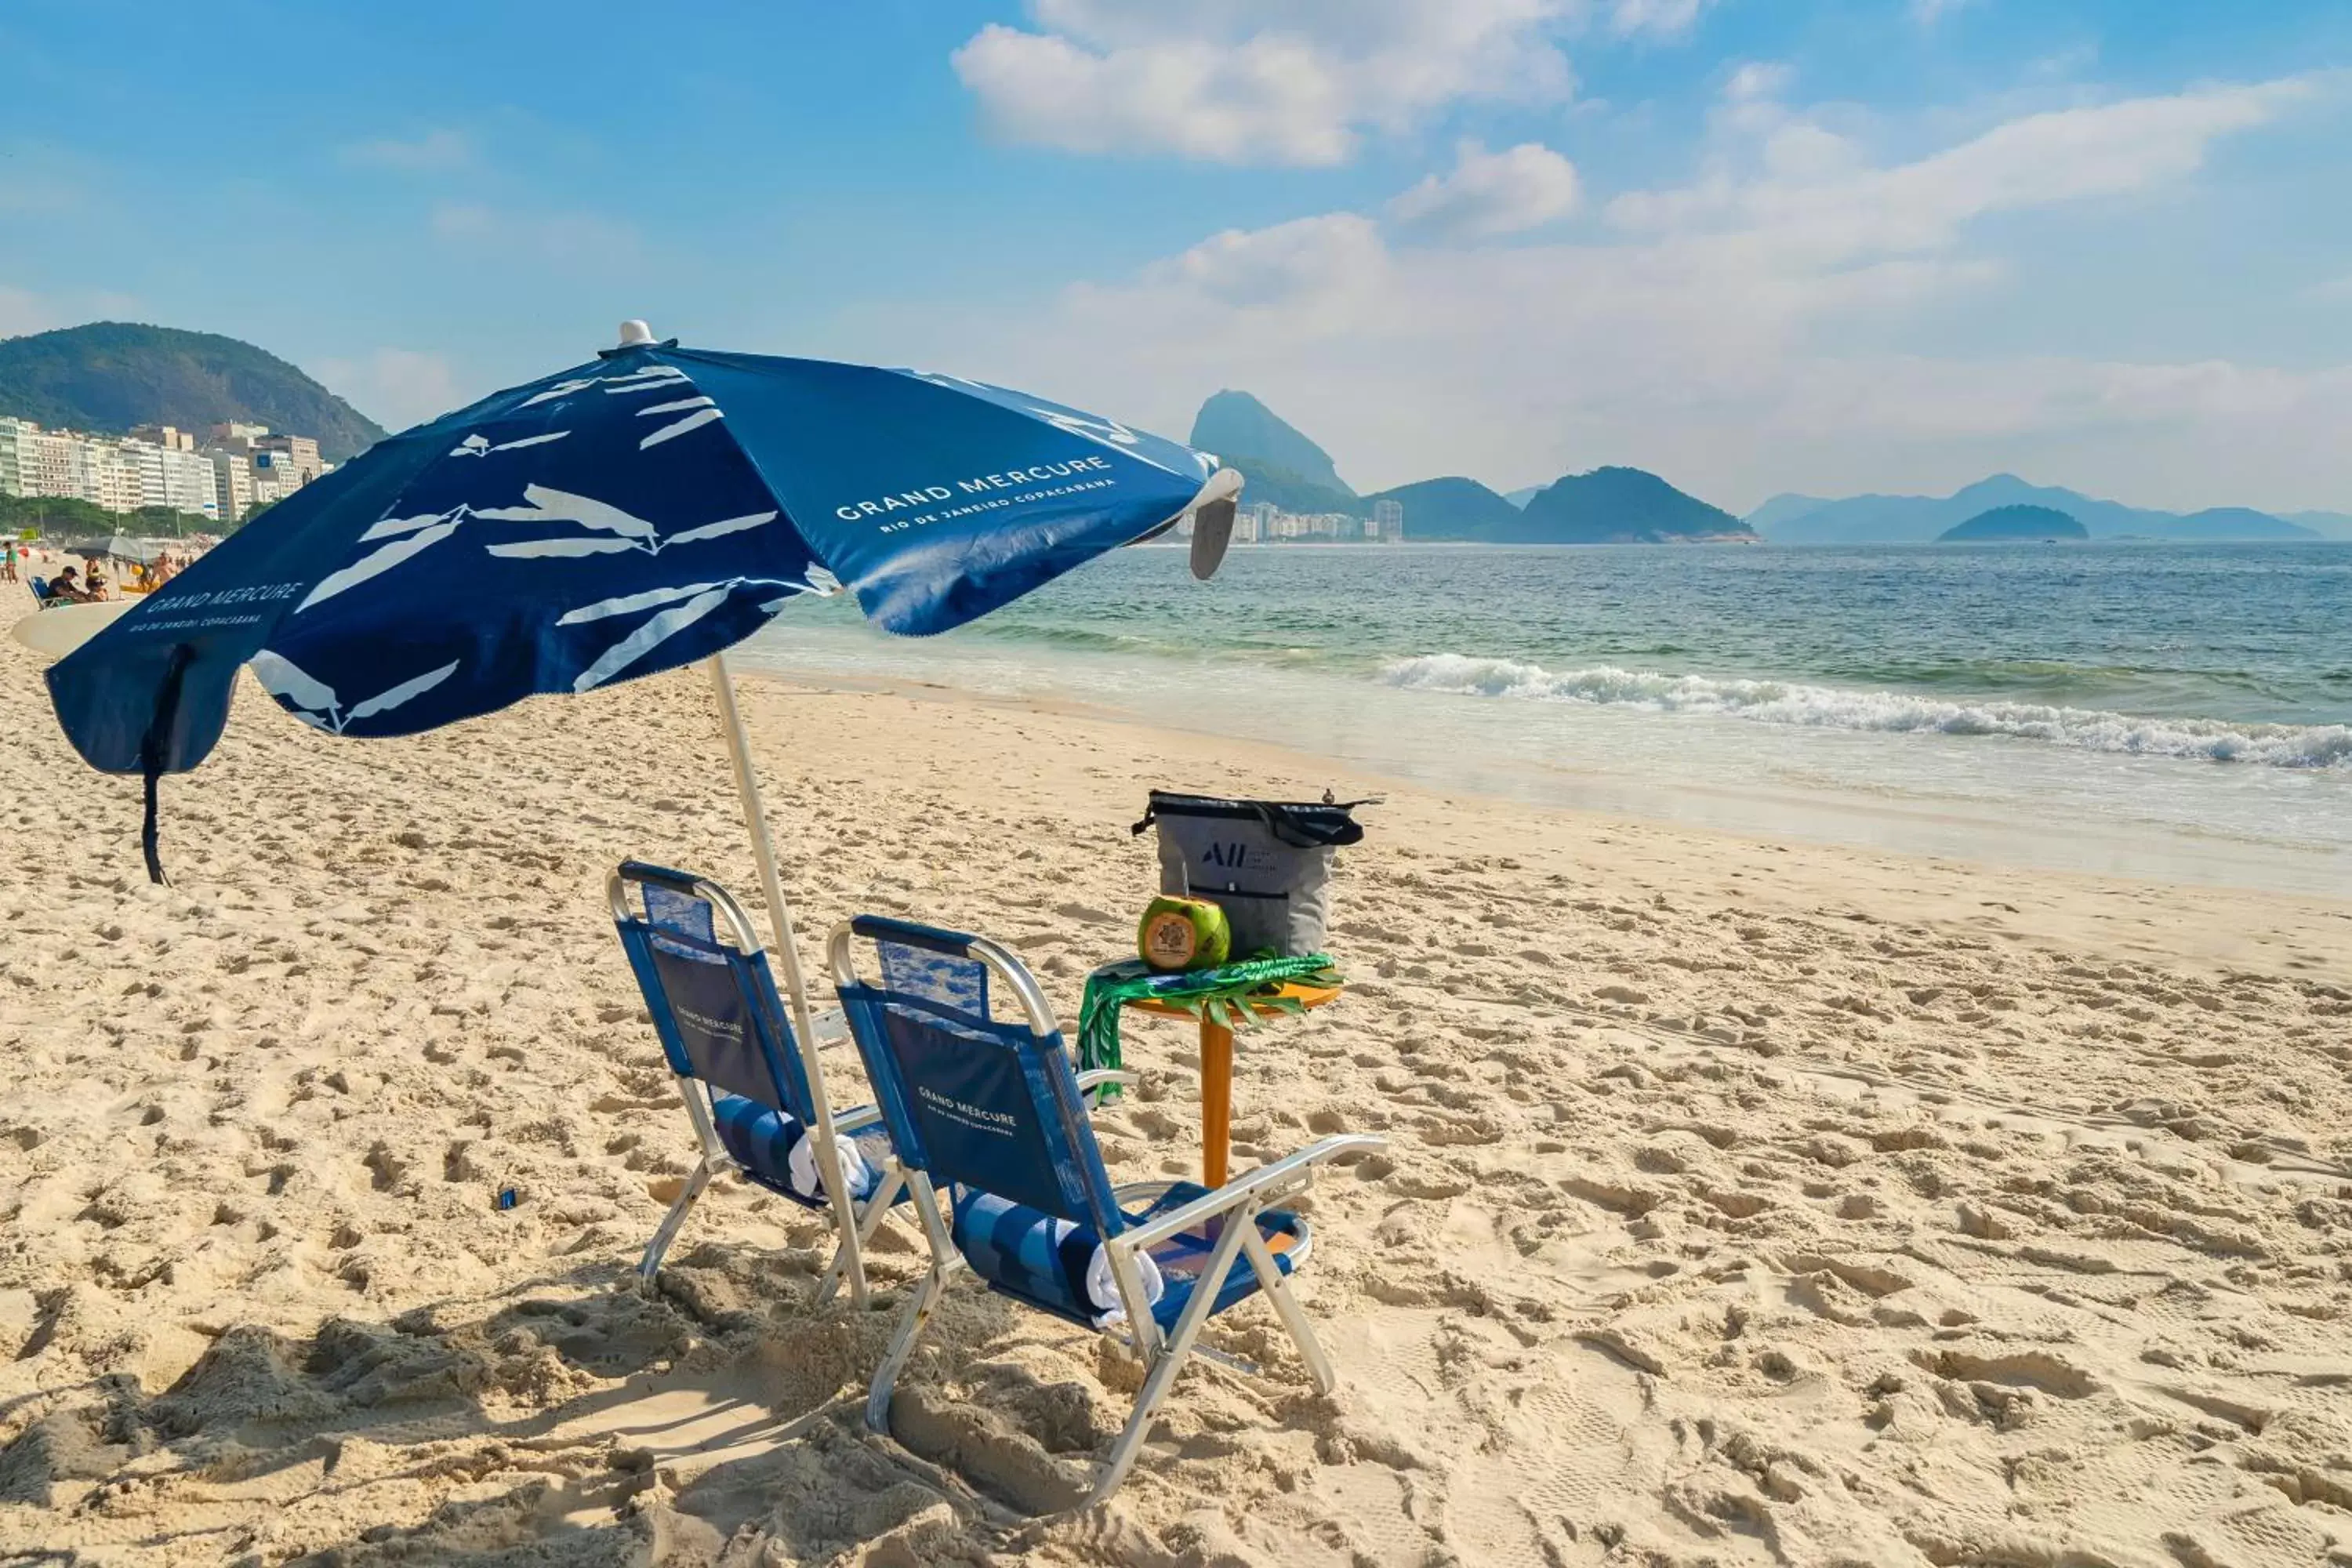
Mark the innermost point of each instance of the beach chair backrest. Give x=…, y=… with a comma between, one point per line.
x=708, y=986
x=970, y=1101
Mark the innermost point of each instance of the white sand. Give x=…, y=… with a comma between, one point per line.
x=1747, y=1204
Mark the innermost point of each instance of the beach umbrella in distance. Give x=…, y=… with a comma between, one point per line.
x=643, y=512
x=122, y=547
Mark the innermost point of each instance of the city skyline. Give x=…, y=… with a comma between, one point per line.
x=157, y=467
x=1887, y=245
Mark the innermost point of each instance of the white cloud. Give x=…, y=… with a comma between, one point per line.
x=1491, y=194
x=435, y=152
x=1719, y=336
x=1758, y=80
x=395, y=387
x=1255, y=81
x=1654, y=19
x=1812, y=197
x=1289, y=281
x=2331, y=290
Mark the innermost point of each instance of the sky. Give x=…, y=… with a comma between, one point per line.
x=1754, y=245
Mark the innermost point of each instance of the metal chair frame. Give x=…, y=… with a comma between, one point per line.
x=854, y=1223
x=1238, y=1203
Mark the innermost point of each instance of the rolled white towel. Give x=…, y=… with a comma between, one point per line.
x=1102, y=1285
x=800, y=1172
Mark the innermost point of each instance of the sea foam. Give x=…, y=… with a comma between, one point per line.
x=1829, y=708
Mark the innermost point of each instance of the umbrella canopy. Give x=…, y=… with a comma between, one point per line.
x=615, y=519
x=621, y=518
x=122, y=547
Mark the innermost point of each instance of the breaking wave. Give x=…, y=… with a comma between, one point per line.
x=1828, y=708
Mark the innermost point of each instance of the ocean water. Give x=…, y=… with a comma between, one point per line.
x=2165, y=710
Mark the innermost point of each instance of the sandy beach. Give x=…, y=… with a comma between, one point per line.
x=1745, y=1203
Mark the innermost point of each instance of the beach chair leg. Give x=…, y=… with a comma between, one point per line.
x=902, y=1345
x=655, y=1248
x=945, y=1261
x=847, y=1223
x=1171, y=1358
x=876, y=1210
x=1277, y=1286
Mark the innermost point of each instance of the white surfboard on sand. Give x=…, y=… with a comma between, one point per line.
x=59, y=631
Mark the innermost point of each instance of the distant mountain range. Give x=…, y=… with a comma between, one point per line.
x=2014, y=524
x=1618, y=506
x=2326, y=524
x=1903, y=519
x=108, y=376
x=1607, y=506
x=1235, y=422
x=1453, y=508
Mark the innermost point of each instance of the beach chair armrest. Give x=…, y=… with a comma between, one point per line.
x=857, y=1120
x=1098, y=1077
x=1291, y=1173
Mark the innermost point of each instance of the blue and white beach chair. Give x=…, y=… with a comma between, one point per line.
x=992, y=1112
x=752, y=1090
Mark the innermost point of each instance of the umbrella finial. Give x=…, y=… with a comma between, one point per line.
x=636, y=334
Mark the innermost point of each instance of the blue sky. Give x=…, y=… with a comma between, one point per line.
x=1756, y=245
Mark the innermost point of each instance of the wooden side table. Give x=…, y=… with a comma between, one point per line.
x=1217, y=1067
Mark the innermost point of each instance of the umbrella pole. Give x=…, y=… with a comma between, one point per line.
x=779, y=916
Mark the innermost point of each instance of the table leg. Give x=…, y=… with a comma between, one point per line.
x=1216, y=1099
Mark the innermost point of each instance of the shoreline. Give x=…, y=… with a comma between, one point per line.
x=1833, y=813
x=2249, y=928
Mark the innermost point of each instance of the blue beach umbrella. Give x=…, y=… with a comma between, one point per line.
x=616, y=519
x=625, y=517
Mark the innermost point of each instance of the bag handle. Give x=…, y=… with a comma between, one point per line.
x=1291, y=823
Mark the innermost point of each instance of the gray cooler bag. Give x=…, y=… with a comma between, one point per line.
x=1268, y=864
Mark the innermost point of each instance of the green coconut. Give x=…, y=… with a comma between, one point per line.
x=1183, y=934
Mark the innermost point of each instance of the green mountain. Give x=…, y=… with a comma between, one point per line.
x=110, y=376
x=1911, y=520
x=2014, y=524
x=1448, y=508
x=1270, y=455
x=1618, y=506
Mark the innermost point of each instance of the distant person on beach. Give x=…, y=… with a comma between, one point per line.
x=9, y=562
x=93, y=581
x=63, y=586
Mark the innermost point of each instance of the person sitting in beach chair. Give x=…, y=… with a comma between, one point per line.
x=755, y=1097
x=992, y=1112
x=64, y=590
